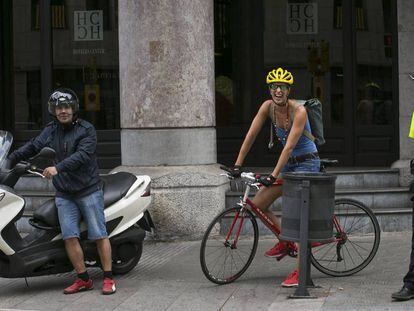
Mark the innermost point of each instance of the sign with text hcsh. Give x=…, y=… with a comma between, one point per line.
x=302, y=18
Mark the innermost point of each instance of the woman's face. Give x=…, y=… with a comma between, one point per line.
x=279, y=92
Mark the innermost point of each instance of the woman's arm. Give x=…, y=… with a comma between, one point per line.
x=294, y=135
x=254, y=129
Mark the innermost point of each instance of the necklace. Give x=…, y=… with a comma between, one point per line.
x=286, y=125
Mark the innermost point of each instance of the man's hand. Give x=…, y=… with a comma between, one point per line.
x=267, y=180
x=49, y=172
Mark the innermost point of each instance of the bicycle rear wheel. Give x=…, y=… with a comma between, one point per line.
x=355, y=247
x=229, y=245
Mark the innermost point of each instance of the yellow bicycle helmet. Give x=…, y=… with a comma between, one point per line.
x=279, y=75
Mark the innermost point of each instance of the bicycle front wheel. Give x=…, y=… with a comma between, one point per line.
x=357, y=237
x=229, y=245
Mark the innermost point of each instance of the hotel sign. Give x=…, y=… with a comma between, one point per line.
x=302, y=18
x=88, y=25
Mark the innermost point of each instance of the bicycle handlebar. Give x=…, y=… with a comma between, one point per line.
x=249, y=177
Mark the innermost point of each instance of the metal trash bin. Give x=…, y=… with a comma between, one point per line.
x=321, y=205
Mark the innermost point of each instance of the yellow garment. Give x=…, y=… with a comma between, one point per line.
x=412, y=127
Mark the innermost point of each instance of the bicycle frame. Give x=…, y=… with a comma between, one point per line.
x=245, y=202
x=257, y=211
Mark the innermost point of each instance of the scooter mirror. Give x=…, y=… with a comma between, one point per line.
x=47, y=153
x=44, y=158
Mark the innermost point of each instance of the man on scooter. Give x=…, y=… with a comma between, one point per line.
x=78, y=186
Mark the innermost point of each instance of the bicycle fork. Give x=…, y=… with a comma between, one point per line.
x=243, y=205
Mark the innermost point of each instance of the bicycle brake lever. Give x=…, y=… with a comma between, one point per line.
x=227, y=175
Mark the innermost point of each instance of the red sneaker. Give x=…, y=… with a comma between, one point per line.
x=292, y=279
x=79, y=286
x=108, y=286
x=278, y=251
x=282, y=249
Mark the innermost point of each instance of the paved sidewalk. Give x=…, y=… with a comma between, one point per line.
x=169, y=277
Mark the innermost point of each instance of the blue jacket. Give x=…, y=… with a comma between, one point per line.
x=76, y=163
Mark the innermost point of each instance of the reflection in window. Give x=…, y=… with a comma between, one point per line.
x=223, y=62
x=374, y=95
x=57, y=11
x=337, y=96
x=360, y=15
x=102, y=5
x=337, y=14
x=28, y=109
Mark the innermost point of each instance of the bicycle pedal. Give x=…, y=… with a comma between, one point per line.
x=280, y=257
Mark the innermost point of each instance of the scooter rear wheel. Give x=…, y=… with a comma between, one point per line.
x=125, y=257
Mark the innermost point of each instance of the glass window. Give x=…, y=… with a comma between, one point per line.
x=85, y=59
x=374, y=68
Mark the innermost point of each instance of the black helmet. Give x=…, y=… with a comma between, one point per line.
x=63, y=97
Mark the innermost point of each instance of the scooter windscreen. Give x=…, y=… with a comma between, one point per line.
x=6, y=140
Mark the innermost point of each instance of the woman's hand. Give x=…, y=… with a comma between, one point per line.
x=267, y=181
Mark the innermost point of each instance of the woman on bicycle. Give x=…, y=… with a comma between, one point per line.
x=299, y=152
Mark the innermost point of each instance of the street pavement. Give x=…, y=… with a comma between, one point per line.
x=169, y=277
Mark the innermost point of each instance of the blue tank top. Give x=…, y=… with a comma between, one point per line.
x=304, y=144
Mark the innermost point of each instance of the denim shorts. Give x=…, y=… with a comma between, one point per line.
x=90, y=207
x=309, y=165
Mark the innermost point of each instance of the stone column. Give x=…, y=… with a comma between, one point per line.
x=166, y=56
x=406, y=86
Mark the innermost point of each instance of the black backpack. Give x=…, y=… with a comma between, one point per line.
x=314, y=110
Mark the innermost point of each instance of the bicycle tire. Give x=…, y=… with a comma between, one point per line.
x=214, y=246
x=363, y=229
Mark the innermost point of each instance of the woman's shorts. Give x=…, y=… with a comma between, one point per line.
x=309, y=165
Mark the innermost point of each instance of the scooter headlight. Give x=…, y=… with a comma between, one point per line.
x=2, y=194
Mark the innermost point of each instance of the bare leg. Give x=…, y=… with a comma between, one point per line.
x=104, y=250
x=75, y=254
x=264, y=198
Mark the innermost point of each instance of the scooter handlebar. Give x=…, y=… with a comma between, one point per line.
x=36, y=171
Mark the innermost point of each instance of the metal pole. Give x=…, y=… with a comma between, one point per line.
x=46, y=56
x=302, y=291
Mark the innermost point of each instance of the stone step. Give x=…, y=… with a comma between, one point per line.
x=374, y=198
x=354, y=177
x=390, y=220
x=366, y=179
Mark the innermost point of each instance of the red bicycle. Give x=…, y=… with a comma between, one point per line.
x=230, y=242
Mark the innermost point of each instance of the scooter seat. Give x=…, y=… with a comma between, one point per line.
x=115, y=186
x=47, y=214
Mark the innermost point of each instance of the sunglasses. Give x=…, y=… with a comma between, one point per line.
x=282, y=87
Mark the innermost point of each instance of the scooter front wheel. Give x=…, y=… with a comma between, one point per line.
x=125, y=257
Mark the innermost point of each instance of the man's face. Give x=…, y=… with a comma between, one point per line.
x=64, y=114
x=279, y=92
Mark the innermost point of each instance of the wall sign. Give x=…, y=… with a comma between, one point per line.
x=88, y=25
x=302, y=18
